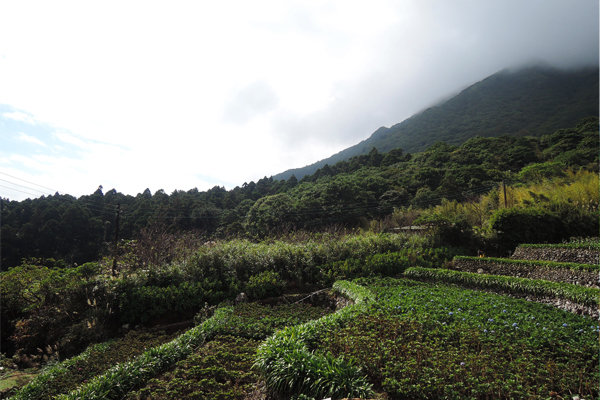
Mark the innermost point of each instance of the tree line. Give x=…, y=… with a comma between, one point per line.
x=76, y=230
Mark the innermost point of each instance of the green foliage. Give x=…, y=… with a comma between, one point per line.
x=222, y=369
x=387, y=264
x=266, y=284
x=64, y=308
x=241, y=321
x=121, y=378
x=539, y=225
x=67, y=375
x=534, y=264
x=540, y=171
x=141, y=303
x=293, y=262
x=432, y=341
x=421, y=358
x=578, y=294
x=290, y=368
x=589, y=245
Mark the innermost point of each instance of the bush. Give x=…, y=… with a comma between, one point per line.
x=141, y=303
x=388, y=264
x=542, y=225
x=529, y=225
x=264, y=285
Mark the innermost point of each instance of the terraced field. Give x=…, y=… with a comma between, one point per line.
x=476, y=331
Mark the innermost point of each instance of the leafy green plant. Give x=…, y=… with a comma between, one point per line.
x=533, y=263
x=291, y=368
x=387, y=264
x=67, y=375
x=221, y=369
x=441, y=341
x=121, y=378
x=266, y=284
x=578, y=294
x=588, y=245
x=244, y=320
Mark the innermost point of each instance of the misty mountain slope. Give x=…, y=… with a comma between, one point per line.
x=528, y=102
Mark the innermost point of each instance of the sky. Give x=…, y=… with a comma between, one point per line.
x=195, y=94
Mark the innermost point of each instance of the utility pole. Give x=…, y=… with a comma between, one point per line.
x=114, y=266
x=504, y=186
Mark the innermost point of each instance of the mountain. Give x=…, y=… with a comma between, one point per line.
x=531, y=101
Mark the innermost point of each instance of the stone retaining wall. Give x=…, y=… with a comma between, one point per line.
x=583, y=278
x=580, y=256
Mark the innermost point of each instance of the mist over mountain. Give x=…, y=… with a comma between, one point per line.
x=531, y=101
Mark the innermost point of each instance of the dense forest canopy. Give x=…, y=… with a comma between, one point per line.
x=367, y=186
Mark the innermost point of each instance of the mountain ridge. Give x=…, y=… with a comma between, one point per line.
x=530, y=101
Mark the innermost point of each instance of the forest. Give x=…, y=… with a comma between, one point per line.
x=349, y=194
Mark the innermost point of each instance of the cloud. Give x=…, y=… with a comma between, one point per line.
x=255, y=99
x=31, y=139
x=65, y=137
x=192, y=94
x=20, y=116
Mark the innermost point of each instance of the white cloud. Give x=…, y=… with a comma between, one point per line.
x=65, y=137
x=31, y=139
x=19, y=116
x=155, y=94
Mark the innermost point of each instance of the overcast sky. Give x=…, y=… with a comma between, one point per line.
x=181, y=94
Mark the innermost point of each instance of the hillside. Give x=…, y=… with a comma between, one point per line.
x=528, y=102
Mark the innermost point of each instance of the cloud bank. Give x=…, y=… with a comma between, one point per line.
x=142, y=95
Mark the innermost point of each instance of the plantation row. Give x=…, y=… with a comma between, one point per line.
x=407, y=339
x=114, y=369
x=153, y=293
x=580, y=274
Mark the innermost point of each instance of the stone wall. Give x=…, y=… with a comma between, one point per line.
x=482, y=266
x=581, y=256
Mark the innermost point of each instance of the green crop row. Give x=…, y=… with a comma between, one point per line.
x=575, y=293
x=38, y=386
x=119, y=380
x=535, y=264
x=67, y=375
x=437, y=341
x=586, y=246
x=292, y=367
x=222, y=369
x=244, y=320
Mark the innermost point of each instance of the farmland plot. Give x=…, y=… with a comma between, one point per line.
x=423, y=340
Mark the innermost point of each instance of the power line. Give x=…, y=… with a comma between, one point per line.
x=17, y=190
x=31, y=183
x=26, y=187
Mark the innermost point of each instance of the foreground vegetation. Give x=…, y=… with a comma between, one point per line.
x=111, y=371
x=436, y=341
x=403, y=338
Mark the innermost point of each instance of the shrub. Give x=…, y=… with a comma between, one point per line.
x=529, y=225
x=264, y=285
x=141, y=303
